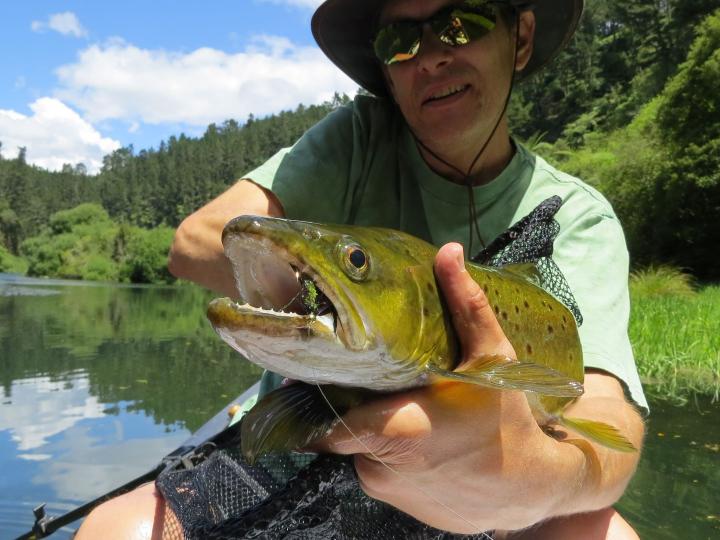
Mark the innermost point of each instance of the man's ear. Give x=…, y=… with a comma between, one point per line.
x=526, y=39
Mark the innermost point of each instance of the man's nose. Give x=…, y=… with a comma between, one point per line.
x=433, y=53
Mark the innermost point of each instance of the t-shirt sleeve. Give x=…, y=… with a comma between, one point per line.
x=594, y=259
x=315, y=179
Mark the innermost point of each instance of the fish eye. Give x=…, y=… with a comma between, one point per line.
x=354, y=260
x=357, y=258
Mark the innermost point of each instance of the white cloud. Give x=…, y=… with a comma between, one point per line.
x=53, y=135
x=65, y=23
x=119, y=81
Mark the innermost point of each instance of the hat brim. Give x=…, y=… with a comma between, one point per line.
x=344, y=30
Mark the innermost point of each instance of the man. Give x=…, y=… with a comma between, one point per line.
x=433, y=145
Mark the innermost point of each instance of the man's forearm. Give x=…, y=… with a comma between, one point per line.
x=606, y=472
x=197, y=252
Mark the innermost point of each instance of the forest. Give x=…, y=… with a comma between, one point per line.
x=631, y=107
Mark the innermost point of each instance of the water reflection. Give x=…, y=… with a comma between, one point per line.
x=676, y=490
x=99, y=382
x=38, y=408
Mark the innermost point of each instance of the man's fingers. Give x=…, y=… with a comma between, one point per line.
x=378, y=427
x=473, y=317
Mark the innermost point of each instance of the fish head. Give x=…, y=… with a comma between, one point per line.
x=354, y=306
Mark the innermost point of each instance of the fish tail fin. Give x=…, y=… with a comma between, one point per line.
x=503, y=373
x=600, y=432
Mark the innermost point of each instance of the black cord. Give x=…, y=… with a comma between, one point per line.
x=472, y=209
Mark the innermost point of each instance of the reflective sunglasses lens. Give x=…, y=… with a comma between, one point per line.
x=397, y=42
x=464, y=26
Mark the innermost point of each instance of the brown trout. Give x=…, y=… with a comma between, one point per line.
x=358, y=309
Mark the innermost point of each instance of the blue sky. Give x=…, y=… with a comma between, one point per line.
x=82, y=78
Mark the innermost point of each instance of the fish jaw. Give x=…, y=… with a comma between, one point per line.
x=270, y=257
x=297, y=346
x=267, y=260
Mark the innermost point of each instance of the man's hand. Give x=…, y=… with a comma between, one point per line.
x=463, y=458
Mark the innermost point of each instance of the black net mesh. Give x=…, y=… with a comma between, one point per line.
x=294, y=496
x=301, y=496
x=530, y=240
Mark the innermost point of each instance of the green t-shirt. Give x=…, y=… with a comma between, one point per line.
x=361, y=165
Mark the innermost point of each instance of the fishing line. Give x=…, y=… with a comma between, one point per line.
x=299, y=295
x=391, y=469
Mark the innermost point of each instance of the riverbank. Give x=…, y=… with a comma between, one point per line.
x=673, y=331
x=676, y=342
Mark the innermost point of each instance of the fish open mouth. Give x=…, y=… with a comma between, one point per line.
x=312, y=299
x=273, y=283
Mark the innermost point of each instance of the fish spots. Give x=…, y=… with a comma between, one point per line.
x=526, y=304
x=528, y=348
x=426, y=312
x=504, y=315
x=497, y=293
x=550, y=329
x=430, y=287
x=497, y=309
x=517, y=310
x=517, y=327
x=486, y=288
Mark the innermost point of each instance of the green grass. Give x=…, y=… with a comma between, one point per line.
x=675, y=332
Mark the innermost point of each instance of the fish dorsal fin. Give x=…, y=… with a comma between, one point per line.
x=528, y=271
x=292, y=417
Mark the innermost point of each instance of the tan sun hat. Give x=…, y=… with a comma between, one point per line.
x=344, y=30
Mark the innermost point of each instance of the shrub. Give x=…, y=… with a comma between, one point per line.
x=661, y=281
x=88, y=213
x=144, y=254
x=10, y=263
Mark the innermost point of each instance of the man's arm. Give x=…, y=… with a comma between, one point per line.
x=471, y=459
x=197, y=252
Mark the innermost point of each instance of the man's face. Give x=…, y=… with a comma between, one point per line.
x=453, y=95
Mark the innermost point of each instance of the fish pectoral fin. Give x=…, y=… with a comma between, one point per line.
x=600, y=432
x=504, y=373
x=292, y=417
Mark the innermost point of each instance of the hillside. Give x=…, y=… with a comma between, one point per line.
x=631, y=106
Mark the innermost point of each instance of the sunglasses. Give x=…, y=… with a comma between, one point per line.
x=454, y=25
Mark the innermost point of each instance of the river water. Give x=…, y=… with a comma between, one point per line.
x=99, y=382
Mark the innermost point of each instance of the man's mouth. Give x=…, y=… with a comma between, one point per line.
x=447, y=92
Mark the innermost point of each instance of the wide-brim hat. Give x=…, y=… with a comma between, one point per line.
x=344, y=30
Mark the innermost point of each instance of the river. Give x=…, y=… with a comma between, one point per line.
x=100, y=381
